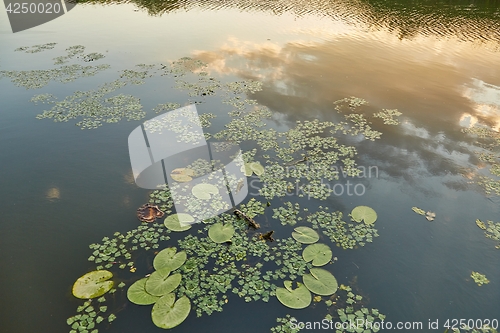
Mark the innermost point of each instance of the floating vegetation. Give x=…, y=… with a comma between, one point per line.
x=305, y=235
x=284, y=325
x=363, y=214
x=36, y=48
x=179, y=222
x=118, y=250
x=320, y=281
x=168, y=313
x=89, y=315
x=158, y=287
x=204, y=191
x=223, y=254
x=169, y=258
x=388, y=116
x=480, y=224
x=93, y=107
x=491, y=230
x=251, y=168
x=149, y=213
x=479, y=278
x=318, y=254
x=298, y=298
x=182, y=175
x=428, y=215
x=418, y=210
x=137, y=293
x=93, y=284
x=221, y=233
x=288, y=213
x=347, y=235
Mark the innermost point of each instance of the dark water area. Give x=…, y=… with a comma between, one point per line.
x=437, y=62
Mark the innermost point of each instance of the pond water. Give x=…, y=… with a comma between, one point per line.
x=437, y=63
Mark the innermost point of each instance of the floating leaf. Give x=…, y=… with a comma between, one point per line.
x=418, y=210
x=170, y=258
x=319, y=254
x=364, y=213
x=298, y=298
x=161, y=282
x=320, y=281
x=220, y=233
x=182, y=175
x=181, y=178
x=167, y=313
x=93, y=284
x=179, y=222
x=204, y=191
x=480, y=224
x=257, y=168
x=137, y=293
x=305, y=235
x=246, y=169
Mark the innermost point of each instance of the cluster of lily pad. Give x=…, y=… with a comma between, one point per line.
x=347, y=235
x=479, y=278
x=158, y=289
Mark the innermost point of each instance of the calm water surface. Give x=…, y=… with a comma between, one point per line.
x=438, y=63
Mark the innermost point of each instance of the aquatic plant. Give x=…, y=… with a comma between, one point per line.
x=298, y=298
x=347, y=235
x=288, y=213
x=318, y=254
x=479, y=278
x=93, y=284
x=320, y=281
x=491, y=231
x=388, y=116
x=363, y=214
x=284, y=325
x=428, y=215
x=223, y=254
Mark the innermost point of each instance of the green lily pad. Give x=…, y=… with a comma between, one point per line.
x=418, y=210
x=364, y=213
x=204, y=191
x=320, y=281
x=137, y=293
x=179, y=222
x=167, y=313
x=161, y=282
x=298, y=298
x=93, y=284
x=257, y=168
x=319, y=254
x=170, y=258
x=220, y=233
x=246, y=169
x=181, y=178
x=305, y=235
